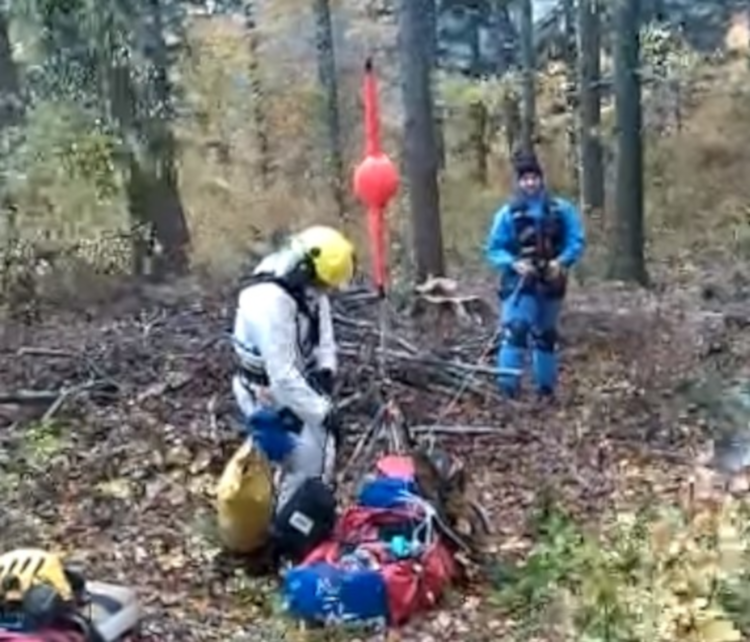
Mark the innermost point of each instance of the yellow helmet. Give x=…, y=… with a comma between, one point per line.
x=330, y=252
x=23, y=568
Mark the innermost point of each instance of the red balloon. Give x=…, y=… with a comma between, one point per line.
x=376, y=181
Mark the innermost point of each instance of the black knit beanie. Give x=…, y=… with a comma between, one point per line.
x=527, y=163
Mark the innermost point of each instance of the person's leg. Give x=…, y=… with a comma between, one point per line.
x=306, y=461
x=545, y=346
x=518, y=313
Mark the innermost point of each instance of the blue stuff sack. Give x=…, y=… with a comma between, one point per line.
x=385, y=492
x=324, y=593
x=274, y=432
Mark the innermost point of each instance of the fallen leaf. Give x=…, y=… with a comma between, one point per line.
x=117, y=488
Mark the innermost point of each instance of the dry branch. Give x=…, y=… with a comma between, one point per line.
x=406, y=361
x=56, y=398
x=28, y=397
x=462, y=430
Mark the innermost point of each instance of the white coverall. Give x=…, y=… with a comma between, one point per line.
x=271, y=334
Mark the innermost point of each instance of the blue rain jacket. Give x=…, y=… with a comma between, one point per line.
x=503, y=247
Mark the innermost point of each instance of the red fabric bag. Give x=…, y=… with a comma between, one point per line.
x=412, y=584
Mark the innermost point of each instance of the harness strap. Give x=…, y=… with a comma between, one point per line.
x=537, y=232
x=252, y=377
x=254, y=374
x=297, y=292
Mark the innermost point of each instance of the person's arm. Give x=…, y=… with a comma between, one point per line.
x=575, y=235
x=275, y=335
x=326, y=353
x=500, y=241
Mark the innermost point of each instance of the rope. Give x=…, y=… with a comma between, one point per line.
x=382, y=342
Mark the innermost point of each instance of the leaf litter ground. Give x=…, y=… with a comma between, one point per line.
x=120, y=478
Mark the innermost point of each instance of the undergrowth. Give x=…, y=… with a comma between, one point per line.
x=662, y=574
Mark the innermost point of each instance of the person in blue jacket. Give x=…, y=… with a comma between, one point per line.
x=534, y=240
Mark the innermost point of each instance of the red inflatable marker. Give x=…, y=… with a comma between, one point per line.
x=376, y=179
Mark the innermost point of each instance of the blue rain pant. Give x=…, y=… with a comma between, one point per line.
x=529, y=321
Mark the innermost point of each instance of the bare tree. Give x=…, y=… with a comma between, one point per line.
x=589, y=82
x=433, y=18
x=479, y=141
x=421, y=153
x=137, y=101
x=11, y=111
x=528, y=66
x=164, y=209
x=627, y=260
x=10, y=94
x=570, y=56
x=329, y=83
x=478, y=114
x=260, y=120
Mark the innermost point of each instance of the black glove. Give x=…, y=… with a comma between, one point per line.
x=323, y=381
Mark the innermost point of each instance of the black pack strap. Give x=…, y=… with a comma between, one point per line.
x=297, y=292
x=252, y=377
x=550, y=207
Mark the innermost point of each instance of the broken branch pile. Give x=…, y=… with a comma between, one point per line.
x=142, y=357
x=397, y=348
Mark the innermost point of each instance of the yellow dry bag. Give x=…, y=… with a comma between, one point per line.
x=245, y=500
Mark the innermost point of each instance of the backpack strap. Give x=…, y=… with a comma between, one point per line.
x=550, y=206
x=297, y=292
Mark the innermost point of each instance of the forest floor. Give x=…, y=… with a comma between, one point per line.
x=120, y=478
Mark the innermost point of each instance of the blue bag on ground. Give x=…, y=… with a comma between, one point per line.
x=321, y=592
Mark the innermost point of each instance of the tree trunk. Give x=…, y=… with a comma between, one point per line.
x=329, y=82
x=421, y=155
x=117, y=84
x=260, y=120
x=627, y=261
x=11, y=112
x=478, y=116
x=589, y=81
x=165, y=211
x=479, y=149
x=11, y=107
x=511, y=116
x=504, y=34
x=432, y=18
x=528, y=68
x=570, y=56
x=659, y=11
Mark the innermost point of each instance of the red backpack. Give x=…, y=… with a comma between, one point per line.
x=412, y=584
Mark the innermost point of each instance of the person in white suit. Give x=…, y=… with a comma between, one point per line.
x=286, y=348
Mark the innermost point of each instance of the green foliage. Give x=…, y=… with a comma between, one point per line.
x=64, y=176
x=43, y=441
x=458, y=91
x=665, y=574
x=553, y=559
x=666, y=55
